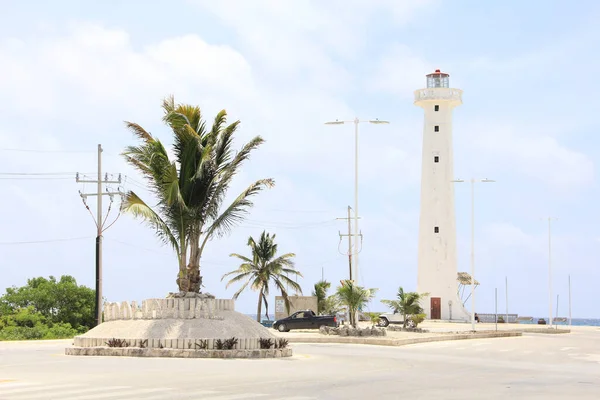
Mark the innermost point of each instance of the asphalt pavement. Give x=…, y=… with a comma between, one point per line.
x=534, y=366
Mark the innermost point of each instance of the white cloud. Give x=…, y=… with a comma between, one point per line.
x=537, y=156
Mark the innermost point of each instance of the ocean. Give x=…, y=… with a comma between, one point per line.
x=574, y=322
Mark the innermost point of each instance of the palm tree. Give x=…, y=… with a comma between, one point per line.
x=320, y=292
x=190, y=188
x=408, y=303
x=261, y=268
x=354, y=297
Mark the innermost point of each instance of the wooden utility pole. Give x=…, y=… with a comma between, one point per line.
x=349, y=234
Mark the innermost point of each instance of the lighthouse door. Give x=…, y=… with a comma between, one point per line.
x=436, y=308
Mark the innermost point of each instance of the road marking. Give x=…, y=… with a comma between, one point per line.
x=196, y=395
x=47, y=394
x=33, y=387
x=121, y=395
x=237, y=396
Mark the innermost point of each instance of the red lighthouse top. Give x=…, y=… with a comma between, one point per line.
x=438, y=79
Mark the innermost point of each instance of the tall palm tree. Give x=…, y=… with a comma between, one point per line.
x=262, y=267
x=191, y=187
x=320, y=292
x=354, y=297
x=408, y=303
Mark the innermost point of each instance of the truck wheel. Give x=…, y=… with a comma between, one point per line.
x=383, y=322
x=282, y=328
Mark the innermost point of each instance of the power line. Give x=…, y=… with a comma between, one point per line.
x=44, y=241
x=36, y=173
x=35, y=178
x=159, y=252
x=45, y=151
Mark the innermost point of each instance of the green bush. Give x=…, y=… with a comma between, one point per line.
x=417, y=319
x=28, y=324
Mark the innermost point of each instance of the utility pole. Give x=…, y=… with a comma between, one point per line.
x=550, y=270
x=100, y=227
x=569, y=300
x=506, y=295
x=349, y=234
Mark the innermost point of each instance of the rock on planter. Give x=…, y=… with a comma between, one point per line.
x=350, y=331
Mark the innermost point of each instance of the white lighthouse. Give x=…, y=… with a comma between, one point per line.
x=437, y=272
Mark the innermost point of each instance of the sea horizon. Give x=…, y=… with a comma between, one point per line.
x=574, y=321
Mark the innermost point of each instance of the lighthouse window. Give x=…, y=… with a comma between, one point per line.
x=436, y=108
x=436, y=229
x=436, y=159
x=436, y=128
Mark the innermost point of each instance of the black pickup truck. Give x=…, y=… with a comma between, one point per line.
x=306, y=319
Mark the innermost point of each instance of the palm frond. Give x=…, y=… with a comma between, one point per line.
x=237, y=210
x=133, y=204
x=241, y=257
x=139, y=131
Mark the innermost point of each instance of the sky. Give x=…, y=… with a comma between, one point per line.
x=71, y=72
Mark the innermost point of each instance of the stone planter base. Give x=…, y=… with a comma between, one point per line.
x=177, y=353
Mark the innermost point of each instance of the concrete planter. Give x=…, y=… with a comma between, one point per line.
x=176, y=353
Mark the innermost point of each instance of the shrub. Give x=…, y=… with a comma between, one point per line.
x=266, y=343
x=229, y=344
x=281, y=343
x=117, y=343
x=417, y=319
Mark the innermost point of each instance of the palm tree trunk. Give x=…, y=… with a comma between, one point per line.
x=258, y=311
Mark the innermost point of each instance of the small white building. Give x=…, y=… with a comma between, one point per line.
x=437, y=271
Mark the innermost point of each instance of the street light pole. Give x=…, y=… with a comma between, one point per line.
x=473, y=181
x=356, y=121
x=355, y=259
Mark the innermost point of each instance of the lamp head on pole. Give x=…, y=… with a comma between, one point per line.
x=377, y=121
x=336, y=122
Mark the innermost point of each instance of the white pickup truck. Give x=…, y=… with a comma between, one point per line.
x=394, y=318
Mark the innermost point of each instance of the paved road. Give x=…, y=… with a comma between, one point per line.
x=534, y=366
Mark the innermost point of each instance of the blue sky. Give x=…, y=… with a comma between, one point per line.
x=71, y=73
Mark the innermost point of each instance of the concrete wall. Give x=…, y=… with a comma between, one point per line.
x=297, y=303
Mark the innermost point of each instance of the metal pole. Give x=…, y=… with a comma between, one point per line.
x=98, y=312
x=557, y=306
x=496, y=314
x=473, y=254
x=350, y=242
x=569, y=301
x=506, y=284
x=550, y=271
x=356, y=121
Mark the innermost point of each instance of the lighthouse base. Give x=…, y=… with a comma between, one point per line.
x=445, y=308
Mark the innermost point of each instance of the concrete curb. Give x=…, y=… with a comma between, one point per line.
x=400, y=342
x=176, y=353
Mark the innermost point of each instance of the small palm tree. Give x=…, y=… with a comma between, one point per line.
x=320, y=292
x=354, y=298
x=262, y=268
x=191, y=186
x=408, y=303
